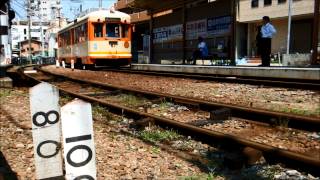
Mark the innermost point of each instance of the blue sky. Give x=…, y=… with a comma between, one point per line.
x=69, y=7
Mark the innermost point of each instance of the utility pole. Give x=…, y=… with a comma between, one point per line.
x=59, y=13
x=100, y=4
x=29, y=30
x=41, y=28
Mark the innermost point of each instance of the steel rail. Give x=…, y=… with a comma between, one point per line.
x=296, y=121
x=209, y=136
x=285, y=83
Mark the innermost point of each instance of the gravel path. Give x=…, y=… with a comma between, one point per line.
x=304, y=102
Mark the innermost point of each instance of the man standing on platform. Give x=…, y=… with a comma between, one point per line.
x=267, y=31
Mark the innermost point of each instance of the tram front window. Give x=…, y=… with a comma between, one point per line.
x=98, y=30
x=124, y=30
x=113, y=30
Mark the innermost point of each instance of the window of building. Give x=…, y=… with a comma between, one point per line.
x=267, y=2
x=254, y=3
x=113, y=30
x=24, y=31
x=98, y=29
x=124, y=30
x=281, y=1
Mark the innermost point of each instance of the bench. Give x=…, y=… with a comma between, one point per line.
x=215, y=60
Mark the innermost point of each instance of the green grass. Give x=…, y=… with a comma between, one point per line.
x=210, y=176
x=131, y=100
x=263, y=173
x=101, y=112
x=164, y=105
x=5, y=93
x=157, y=135
x=283, y=122
x=299, y=111
x=65, y=99
x=155, y=150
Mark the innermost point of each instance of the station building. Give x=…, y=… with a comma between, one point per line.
x=250, y=15
x=175, y=26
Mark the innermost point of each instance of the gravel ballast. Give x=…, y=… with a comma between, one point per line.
x=303, y=102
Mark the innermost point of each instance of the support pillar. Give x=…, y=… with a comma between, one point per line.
x=315, y=34
x=233, y=32
x=184, y=16
x=151, y=50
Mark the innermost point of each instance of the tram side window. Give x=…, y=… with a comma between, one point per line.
x=77, y=34
x=124, y=30
x=60, y=40
x=67, y=38
x=98, y=30
x=113, y=30
x=84, y=30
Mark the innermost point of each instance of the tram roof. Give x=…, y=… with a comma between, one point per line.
x=101, y=15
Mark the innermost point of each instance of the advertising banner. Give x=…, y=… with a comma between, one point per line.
x=219, y=25
x=194, y=29
x=167, y=33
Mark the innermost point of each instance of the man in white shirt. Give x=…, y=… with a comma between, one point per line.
x=267, y=32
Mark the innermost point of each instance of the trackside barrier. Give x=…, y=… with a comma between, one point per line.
x=57, y=64
x=72, y=64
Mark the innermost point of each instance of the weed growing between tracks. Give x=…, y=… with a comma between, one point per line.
x=210, y=176
x=4, y=93
x=300, y=111
x=260, y=172
x=130, y=100
x=157, y=135
x=100, y=112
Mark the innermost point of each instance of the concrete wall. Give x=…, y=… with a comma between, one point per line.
x=247, y=13
x=301, y=36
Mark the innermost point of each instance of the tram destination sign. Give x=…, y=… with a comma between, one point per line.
x=109, y=19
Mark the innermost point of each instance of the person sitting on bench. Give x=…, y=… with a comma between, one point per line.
x=201, y=52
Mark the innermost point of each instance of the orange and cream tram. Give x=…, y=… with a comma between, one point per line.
x=99, y=38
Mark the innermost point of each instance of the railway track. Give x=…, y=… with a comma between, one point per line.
x=94, y=92
x=286, y=83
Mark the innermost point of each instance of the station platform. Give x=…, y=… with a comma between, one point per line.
x=239, y=71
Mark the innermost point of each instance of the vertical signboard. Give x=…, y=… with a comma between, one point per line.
x=45, y=118
x=78, y=143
